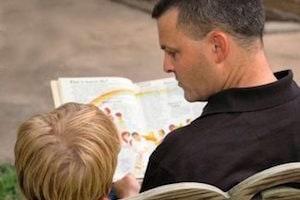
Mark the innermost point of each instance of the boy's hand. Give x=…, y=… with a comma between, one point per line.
x=126, y=187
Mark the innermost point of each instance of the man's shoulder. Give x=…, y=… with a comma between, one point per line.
x=200, y=132
x=183, y=133
x=182, y=141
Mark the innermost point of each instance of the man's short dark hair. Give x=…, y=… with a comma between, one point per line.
x=243, y=19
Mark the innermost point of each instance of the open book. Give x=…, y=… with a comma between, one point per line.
x=276, y=183
x=143, y=112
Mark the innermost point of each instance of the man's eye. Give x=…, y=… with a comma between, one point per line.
x=172, y=54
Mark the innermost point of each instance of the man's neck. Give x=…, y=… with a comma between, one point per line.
x=251, y=71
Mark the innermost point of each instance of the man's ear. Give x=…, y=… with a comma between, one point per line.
x=220, y=45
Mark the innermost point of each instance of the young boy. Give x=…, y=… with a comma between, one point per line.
x=69, y=153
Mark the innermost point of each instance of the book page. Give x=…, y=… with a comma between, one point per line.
x=83, y=90
x=164, y=109
x=55, y=93
x=117, y=98
x=164, y=105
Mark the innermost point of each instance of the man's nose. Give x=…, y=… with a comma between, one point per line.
x=168, y=66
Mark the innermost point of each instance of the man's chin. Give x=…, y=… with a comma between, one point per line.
x=190, y=98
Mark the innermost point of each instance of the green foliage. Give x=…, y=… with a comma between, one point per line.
x=9, y=189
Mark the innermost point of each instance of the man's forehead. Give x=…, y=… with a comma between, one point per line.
x=167, y=28
x=169, y=18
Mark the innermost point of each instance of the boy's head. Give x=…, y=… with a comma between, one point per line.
x=69, y=153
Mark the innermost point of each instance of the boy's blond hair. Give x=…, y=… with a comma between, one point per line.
x=69, y=153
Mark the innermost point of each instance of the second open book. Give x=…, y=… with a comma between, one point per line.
x=143, y=112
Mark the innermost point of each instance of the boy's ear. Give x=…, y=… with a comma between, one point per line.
x=220, y=45
x=104, y=198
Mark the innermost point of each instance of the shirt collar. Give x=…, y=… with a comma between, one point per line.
x=254, y=98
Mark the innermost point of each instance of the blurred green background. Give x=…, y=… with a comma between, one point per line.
x=9, y=189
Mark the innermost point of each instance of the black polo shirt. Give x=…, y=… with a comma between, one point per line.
x=241, y=131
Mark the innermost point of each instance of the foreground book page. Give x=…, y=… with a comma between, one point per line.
x=269, y=184
x=183, y=191
x=143, y=112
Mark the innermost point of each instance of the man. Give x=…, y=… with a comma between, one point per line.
x=252, y=119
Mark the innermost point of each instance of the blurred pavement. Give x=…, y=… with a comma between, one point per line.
x=42, y=40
